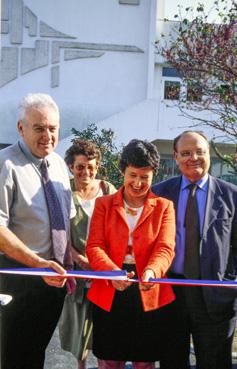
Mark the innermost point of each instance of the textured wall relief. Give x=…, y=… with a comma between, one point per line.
x=129, y=2
x=17, y=60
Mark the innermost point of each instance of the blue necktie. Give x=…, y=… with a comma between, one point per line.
x=61, y=251
x=192, y=235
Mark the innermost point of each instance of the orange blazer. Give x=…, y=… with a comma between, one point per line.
x=153, y=244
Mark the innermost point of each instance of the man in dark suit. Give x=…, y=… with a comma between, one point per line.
x=206, y=313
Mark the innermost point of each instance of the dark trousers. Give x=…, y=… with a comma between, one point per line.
x=212, y=335
x=29, y=320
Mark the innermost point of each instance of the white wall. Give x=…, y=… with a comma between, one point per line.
x=91, y=89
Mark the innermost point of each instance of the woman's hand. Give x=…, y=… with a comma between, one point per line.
x=83, y=262
x=147, y=274
x=122, y=285
x=79, y=259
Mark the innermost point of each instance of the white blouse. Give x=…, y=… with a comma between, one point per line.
x=133, y=215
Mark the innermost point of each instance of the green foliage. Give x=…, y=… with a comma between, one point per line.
x=104, y=140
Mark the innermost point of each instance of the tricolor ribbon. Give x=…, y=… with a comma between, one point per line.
x=88, y=274
x=115, y=275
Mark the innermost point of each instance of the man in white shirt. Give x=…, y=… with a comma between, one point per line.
x=28, y=322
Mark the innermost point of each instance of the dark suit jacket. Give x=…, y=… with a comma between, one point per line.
x=218, y=246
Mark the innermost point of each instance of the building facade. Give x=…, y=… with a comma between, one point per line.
x=98, y=60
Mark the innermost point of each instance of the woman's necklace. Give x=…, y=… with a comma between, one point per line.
x=131, y=211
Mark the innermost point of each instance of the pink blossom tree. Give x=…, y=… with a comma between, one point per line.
x=205, y=55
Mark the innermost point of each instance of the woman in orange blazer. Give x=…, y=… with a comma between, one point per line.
x=132, y=229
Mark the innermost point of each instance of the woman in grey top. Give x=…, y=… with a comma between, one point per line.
x=75, y=326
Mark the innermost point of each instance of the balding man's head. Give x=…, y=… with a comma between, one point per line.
x=191, y=152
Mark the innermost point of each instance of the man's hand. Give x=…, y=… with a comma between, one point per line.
x=15, y=249
x=53, y=281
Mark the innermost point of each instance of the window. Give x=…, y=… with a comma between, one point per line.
x=194, y=92
x=167, y=168
x=170, y=72
x=172, y=90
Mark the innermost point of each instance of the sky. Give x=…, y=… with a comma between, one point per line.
x=171, y=6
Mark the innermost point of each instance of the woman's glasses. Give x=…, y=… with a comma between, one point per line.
x=81, y=167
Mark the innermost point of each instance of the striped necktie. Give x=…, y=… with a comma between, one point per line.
x=57, y=224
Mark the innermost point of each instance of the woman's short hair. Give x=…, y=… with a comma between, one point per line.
x=139, y=154
x=82, y=147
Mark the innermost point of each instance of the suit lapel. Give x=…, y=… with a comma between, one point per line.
x=171, y=192
x=214, y=204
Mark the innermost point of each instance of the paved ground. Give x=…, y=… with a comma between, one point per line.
x=56, y=358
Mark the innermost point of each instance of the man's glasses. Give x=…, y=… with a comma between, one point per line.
x=189, y=154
